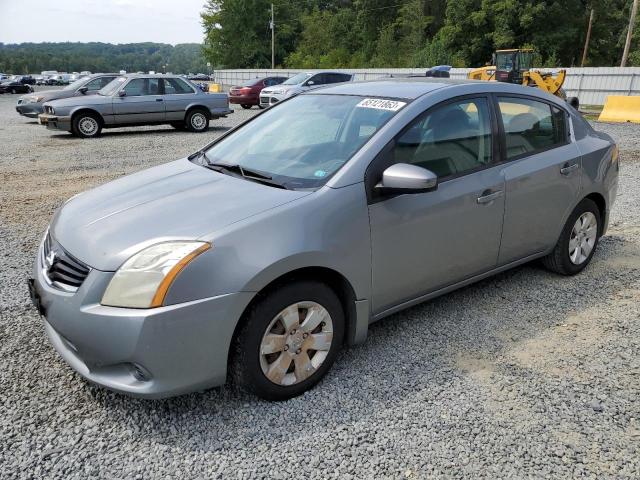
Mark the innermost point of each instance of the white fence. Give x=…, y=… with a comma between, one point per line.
x=590, y=85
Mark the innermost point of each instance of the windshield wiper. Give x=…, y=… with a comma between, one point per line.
x=246, y=173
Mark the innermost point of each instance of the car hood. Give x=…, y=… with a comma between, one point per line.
x=79, y=100
x=180, y=200
x=52, y=94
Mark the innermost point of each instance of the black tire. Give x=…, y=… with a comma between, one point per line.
x=261, y=107
x=86, y=125
x=246, y=106
x=246, y=371
x=559, y=260
x=197, y=120
x=574, y=102
x=179, y=125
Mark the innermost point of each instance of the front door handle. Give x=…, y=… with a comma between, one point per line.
x=489, y=196
x=567, y=169
x=158, y=99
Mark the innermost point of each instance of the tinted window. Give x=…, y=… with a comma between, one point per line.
x=142, y=86
x=175, y=86
x=337, y=77
x=448, y=140
x=531, y=126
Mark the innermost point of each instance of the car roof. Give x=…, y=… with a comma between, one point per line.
x=149, y=75
x=414, y=87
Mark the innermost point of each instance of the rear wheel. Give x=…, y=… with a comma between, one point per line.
x=246, y=106
x=197, y=120
x=578, y=240
x=86, y=125
x=289, y=341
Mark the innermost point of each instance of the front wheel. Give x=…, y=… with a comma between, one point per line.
x=197, y=121
x=289, y=340
x=86, y=125
x=578, y=240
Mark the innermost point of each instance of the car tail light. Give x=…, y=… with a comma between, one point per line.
x=245, y=90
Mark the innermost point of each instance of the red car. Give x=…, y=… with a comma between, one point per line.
x=248, y=94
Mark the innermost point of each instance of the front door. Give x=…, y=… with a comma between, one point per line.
x=426, y=241
x=542, y=175
x=142, y=102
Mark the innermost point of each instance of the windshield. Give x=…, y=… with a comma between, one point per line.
x=76, y=84
x=111, y=87
x=301, y=143
x=297, y=79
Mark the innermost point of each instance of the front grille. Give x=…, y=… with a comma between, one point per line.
x=264, y=100
x=61, y=268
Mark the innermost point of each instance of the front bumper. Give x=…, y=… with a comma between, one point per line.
x=54, y=122
x=31, y=110
x=152, y=353
x=269, y=99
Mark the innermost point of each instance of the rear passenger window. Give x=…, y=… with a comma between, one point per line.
x=174, y=86
x=449, y=140
x=531, y=126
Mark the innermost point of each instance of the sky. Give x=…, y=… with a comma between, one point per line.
x=109, y=21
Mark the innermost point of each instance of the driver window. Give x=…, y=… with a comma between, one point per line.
x=96, y=84
x=449, y=140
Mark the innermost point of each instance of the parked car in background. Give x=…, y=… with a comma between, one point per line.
x=32, y=105
x=137, y=100
x=24, y=79
x=12, y=86
x=301, y=83
x=198, y=77
x=259, y=256
x=40, y=80
x=248, y=94
x=85, y=73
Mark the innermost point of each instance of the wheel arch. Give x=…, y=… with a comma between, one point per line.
x=197, y=106
x=330, y=277
x=80, y=110
x=601, y=203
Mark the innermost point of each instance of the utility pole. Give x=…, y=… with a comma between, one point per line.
x=586, y=42
x=273, y=46
x=627, y=44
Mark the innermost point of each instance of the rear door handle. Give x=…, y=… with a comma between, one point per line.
x=158, y=99
x=567, y=169
x=489, y=196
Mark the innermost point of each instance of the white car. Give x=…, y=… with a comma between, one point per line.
x=299, y=83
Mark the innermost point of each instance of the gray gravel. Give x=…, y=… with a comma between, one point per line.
x=525, y=375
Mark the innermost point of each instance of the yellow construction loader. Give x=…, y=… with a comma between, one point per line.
x=515, y=66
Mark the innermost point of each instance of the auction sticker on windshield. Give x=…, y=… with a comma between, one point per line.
x=381, y=104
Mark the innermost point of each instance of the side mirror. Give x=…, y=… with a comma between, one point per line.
x=407, y=178
x=83, y=90
x=122, y=93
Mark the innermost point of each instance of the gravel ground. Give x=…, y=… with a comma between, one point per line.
x=525, y=375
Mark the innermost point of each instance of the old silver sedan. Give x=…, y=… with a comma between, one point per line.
x=137, y=100
x=265, y=252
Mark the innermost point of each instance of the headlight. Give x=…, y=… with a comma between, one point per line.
x=144, y=280
x=277, y=92
x=34, y=99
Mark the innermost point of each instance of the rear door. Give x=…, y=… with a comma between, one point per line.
x=542, y=172
x=142, y=103
x=177, y=95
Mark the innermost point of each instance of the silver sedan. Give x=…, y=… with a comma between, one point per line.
x=259, y=256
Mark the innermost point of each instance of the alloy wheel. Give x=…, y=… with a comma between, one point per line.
x=296, y=343
x=583, y=238
x=88, y=126
x=198, y=121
